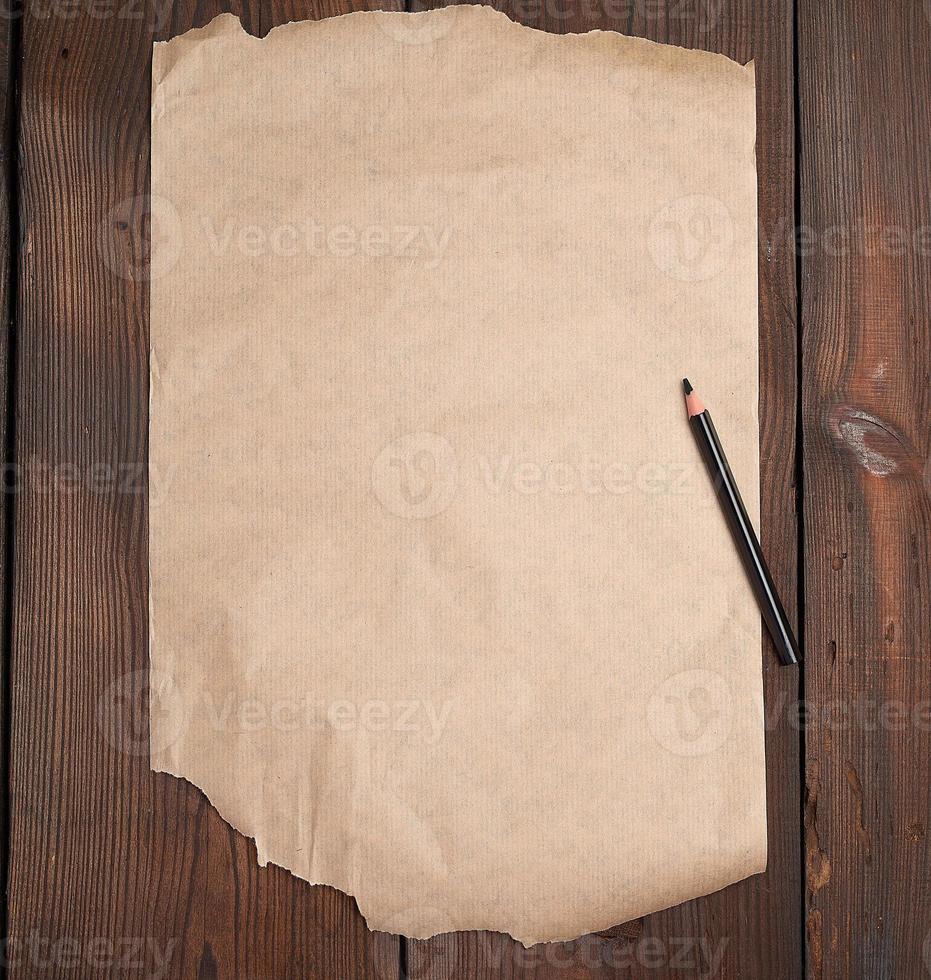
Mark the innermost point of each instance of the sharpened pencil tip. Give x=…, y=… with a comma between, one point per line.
x=693, y=404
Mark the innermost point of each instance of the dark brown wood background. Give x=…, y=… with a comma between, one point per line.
x=110, y=866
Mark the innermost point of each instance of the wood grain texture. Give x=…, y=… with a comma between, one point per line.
x=7, y=351
x=127, y=855
x=865, y=89
x=753, y=929
x=116, y=871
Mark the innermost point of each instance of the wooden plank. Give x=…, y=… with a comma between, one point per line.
x=8, y=219
x=116, y=871
x=752, y=929
x=865, y=86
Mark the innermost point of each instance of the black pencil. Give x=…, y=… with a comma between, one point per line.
x=742, y=531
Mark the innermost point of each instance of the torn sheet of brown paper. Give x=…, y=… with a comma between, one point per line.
x=442, y=609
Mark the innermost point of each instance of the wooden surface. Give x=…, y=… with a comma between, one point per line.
x=752, y=929
x=108, y=858
x=114, y=866
x=8, y=260
x=865, y=87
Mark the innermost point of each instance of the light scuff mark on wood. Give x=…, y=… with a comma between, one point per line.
x=877, y=445
x=856, y=786
x=814, y=926
x=817, y=863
